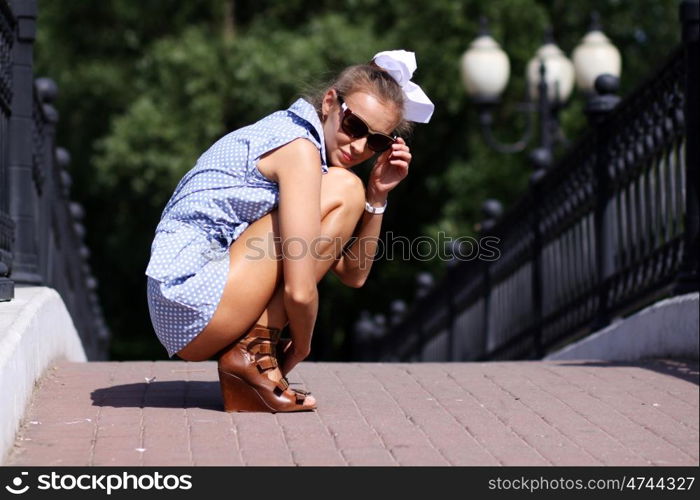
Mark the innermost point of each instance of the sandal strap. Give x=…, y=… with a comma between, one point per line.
x=265, y=333
x=283, y=384
x=266, y=363
x=262, y=348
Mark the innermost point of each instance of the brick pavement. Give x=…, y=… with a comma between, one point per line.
x=511, y=413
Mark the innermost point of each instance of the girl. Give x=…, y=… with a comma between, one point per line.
x=261, y=218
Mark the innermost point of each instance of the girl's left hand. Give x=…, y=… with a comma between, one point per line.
x=390, y=168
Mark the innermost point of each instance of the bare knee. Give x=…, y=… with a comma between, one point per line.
x=343, y=187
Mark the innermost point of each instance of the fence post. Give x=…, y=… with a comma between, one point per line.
x=451, y=290
x=492, y=210
x=424, y=285
x=43, y=139
x=687, y=279
x=23, y=201
x=597, y=109
x=541, y=160
x=7, y=225
x=537, y=274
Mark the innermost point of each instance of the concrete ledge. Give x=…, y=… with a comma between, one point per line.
x=668, y=328
x=35, y=329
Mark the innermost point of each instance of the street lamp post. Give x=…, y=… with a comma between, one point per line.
x=485, y=69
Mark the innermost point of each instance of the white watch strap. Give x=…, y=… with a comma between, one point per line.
x=375, y=210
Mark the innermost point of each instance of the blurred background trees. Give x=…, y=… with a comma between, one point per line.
x=146, y=87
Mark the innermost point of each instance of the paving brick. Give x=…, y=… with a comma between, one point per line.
x=217, y=457
x=213, y=438
x=368, y=457
x=261, y=439
x=63, y=430
x=166, y=460
x=305, y=432
x=120, y=450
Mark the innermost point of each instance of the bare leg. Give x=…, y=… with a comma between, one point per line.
x=254, y=285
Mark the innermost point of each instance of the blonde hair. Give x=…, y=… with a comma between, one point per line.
x=368, y=78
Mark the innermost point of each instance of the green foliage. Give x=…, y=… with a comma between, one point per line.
x=146, y=87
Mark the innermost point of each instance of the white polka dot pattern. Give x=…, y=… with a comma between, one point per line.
x=211, y=206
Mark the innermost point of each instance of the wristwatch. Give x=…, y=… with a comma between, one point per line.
x=375, y=210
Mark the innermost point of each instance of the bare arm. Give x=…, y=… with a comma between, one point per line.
x=355, y=262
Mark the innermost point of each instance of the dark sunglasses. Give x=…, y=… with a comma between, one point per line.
x=356, y=128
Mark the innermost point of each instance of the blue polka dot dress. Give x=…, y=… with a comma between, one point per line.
x=211, y=206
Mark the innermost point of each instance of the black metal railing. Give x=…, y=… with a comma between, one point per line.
x=613, y=226
x=41, y=233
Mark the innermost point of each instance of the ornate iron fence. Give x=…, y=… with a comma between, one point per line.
x=612, y=227
x=41, y=234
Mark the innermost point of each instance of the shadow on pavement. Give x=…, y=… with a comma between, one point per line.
x=680, y=368
x=167, y=394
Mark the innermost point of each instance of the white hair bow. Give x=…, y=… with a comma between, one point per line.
x=401, y=64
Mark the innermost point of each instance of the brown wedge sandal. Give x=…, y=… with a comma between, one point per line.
x=245, y=385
